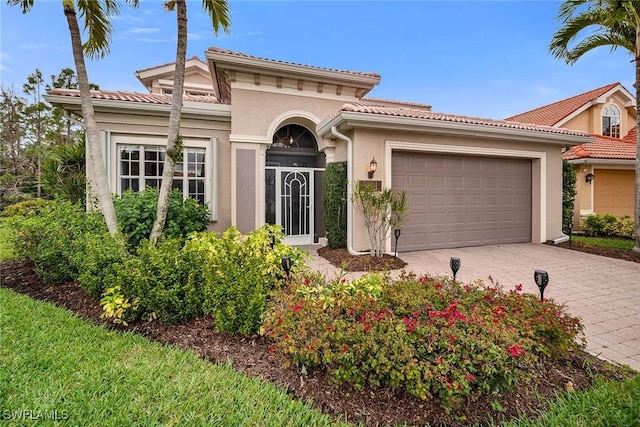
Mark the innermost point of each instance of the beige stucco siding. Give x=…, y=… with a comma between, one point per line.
x=614, y=191
x=254, y=113
x=546, y=167
x=590, y=120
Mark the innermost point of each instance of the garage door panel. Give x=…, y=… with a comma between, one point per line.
x=469, y=200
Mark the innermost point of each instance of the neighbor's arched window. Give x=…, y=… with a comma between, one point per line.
x=611, y=121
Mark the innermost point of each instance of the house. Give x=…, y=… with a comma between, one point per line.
x=605, y=167
x=258, y=133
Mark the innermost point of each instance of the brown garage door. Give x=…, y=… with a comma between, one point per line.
x=613, y=191
x=457, y=201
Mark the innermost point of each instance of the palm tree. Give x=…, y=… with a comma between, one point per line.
x=615, y=24
x=96, y=16
x=218, y=11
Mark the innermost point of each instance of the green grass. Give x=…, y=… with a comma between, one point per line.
x=6, y=251
x=53, y=361
x=605, y=242
x=607, y=404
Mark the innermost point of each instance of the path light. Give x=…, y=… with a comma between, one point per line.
x=542, y=280
x=286, y=265
x=273, y=240
x=455, y=266
x=397, y=234
x=570, y=227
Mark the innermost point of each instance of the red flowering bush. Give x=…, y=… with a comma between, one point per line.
x=431, y=337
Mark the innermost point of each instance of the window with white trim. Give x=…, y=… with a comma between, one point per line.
x=611, y=121
x=143, y=165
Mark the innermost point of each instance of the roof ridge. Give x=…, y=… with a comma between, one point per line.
x=588, y=96
x=276, y=61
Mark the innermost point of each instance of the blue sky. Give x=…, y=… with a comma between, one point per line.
x=476, y=58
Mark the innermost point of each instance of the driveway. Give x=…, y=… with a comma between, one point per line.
x=604, y=292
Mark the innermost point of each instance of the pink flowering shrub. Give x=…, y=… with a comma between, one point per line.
x=431, y=337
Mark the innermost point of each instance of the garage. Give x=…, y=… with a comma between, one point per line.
x=456, y=200
x=614, y=191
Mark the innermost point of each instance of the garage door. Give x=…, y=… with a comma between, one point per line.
x=457, y=201
x=613, y=191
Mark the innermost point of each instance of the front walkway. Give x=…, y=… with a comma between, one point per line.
x=604, y=292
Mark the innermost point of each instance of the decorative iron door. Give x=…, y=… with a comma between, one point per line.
x=289, y=202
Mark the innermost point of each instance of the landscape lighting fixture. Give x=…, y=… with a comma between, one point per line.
x=286, y=265
x=542, y=280
x=373, y=166
x=396, y=233
x=454, y=263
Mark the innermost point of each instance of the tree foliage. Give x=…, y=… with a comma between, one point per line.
x=611, y=23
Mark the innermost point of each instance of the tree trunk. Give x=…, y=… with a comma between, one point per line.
x=174, y=124
x=636, y=210
x=94, y=147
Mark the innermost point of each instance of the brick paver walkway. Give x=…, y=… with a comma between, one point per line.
x=604, y=292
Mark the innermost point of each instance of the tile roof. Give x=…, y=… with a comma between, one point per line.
x=368, y=100
x=243, y=55
x=193, y=58
x=603, y=147
x=551, y=114
x=430, y=115
x=632, y=135
x=147, y=98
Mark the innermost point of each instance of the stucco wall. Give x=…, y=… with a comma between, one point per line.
x=590, y=120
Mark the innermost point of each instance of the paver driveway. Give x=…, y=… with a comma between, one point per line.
x=604, y=292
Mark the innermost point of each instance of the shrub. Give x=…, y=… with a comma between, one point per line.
x=430, y=337
x=53, y=238
x=63, y=172
x=136, y=212
x=239, y=273
x=165, y=281
x=26, y=208
x=608, y=225
x=568, y=194
x=334, y=204
x=98, y=260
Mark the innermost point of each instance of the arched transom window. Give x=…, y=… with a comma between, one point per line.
x=611, y=121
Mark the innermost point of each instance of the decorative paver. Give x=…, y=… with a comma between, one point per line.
x=604, y=292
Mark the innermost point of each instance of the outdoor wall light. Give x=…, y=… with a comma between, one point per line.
x=542, y=280
x=373, y=166
x=286, y=265
x=589, y=178
x=454, y=263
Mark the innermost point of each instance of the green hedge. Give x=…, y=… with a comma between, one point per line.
x=608, y=225
x=334, y=204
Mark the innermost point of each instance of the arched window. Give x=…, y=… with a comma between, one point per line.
x=611, y=121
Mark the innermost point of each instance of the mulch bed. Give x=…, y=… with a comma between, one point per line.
x=341, y=258
x=251, y=355
x=624, y=254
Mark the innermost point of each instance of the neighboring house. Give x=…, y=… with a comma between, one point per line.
x=605, y=166
x=259, y=132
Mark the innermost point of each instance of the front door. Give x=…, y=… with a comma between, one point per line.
x=289, y=202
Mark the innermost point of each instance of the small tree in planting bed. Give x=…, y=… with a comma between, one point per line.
x=381, y=211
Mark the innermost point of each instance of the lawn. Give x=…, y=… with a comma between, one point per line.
x=604, y=242
x=55, y=365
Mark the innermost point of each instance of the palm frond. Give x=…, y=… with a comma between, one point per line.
x=25, y=5
x=218, y=11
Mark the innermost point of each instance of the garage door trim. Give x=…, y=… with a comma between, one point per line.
x=538, y=174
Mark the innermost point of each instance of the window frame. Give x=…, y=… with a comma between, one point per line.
x=607, y=109
x=190, y=145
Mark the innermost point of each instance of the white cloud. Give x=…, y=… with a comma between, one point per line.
x=33, y=46
x=142, y=30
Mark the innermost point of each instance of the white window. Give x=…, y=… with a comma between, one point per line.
x=142, y=166
x=611, y=121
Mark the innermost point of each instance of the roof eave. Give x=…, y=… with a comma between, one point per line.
x=189, y=109
x=347, y=120
x=599, y=161
x=252, y=65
